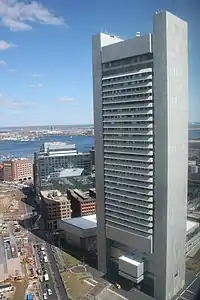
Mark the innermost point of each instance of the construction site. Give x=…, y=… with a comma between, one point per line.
x=18, y=271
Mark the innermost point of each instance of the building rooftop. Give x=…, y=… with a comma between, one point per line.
x=191, y=225
x=70, y=172
x=81, y=196
x=54, y=195
x=86, y=222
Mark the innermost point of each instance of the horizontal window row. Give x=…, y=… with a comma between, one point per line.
x=126, y=168
x=127, y=61
x=129, y=223
x=122, y=215
x=137, y=119
x=127, y=129
x=127, y=227
x=129, y=90
x=122, y=78
x=131, y=198
x=128, y=149
x=140, y=189
x=138, y=111
x=128, y=122
x=127, y=84
x=127, y=182
x=146, y=210
x=128, y=177
x=126, y=143
x=127, y=159
x=134, y=172
x=132, y=96
x=127, y=69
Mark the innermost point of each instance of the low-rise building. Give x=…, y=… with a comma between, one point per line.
x=54, y=206
x=10, y=265
x=19, y=169
x=81, y=233
x=82, y=203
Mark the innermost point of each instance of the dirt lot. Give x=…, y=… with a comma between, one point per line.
x=10, y=201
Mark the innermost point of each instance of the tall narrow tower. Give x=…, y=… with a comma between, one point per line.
x=141, y=133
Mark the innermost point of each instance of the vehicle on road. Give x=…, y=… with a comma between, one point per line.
x=45, y=259
x=46, y=277
x=42, y=248
x=45, y=296
x=49, y=292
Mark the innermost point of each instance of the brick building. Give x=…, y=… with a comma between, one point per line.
x=82, y=203
x=18, y=169
x=54, y=206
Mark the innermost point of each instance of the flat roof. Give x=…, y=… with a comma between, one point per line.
x=86, y=222
x=130, y=260
x=190, y=225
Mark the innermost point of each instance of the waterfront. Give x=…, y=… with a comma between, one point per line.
x=27, y=148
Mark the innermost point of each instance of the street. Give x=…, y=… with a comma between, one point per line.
x=54, y=283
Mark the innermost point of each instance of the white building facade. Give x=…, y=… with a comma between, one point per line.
x=140, y=89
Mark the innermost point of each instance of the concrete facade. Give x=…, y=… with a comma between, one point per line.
x=140, y=91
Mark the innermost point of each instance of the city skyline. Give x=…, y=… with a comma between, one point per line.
x=46, y=78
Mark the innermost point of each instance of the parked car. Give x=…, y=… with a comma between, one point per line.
x=45, y=296
x=49, y=292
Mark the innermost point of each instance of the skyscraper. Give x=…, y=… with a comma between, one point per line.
x=140, y=89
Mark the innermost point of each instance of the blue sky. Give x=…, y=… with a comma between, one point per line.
x=45, y=54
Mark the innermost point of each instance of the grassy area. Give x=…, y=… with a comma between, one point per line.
x=76, y=287
x=69, y=260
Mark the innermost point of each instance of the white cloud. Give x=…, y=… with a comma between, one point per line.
x=5, y=45
x=65, y=99
x=37, y=85
x=3, y=62
x=12, y=70
x=18, y=16
x=13, y=104
x=37, y=75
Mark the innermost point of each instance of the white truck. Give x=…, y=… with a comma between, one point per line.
x=45, y=259
x=46, y=277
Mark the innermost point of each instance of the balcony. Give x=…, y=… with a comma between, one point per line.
x=131, y=85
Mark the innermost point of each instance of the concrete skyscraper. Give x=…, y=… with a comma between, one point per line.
x=141, y=134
